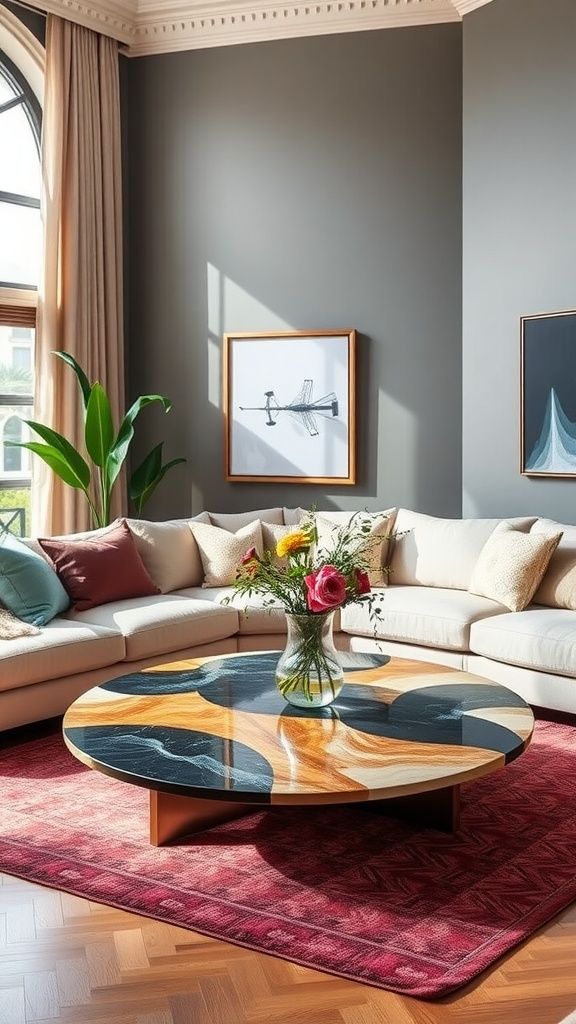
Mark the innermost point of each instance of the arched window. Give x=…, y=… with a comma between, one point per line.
x=21, y=79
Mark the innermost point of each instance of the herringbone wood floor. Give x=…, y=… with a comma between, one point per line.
x=65, y=959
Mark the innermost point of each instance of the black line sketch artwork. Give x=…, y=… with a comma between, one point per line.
x=302, y=384
x=548, y=394
x=303, y=406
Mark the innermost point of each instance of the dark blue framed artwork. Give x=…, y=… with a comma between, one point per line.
x=548, y=394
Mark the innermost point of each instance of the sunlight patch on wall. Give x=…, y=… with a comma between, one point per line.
x=232, y=308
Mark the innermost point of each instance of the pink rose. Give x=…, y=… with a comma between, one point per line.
x=362, y=582
x=250, y=556
x=326, y=589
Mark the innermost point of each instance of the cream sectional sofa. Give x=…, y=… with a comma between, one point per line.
x=430, y=611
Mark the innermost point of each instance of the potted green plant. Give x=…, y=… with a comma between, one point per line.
x=106, y=449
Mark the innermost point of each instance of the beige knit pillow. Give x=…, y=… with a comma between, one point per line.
x=221, y=551
x=511, y=565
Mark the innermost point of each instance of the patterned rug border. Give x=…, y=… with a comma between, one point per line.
x=66, y=857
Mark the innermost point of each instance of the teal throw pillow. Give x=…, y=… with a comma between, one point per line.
x=29, y=586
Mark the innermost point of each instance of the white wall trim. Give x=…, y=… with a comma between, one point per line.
x=163, y=26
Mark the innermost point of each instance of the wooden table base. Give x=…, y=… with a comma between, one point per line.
x=173, y=817
x=436, y=808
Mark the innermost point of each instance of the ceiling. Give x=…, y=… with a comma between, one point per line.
x=164, y=26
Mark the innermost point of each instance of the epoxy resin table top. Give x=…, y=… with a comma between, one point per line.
x=217, y=727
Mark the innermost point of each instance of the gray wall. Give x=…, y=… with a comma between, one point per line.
x=519, y=233
x=302, y=184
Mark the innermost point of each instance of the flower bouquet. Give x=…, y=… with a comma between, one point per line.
x=310, y=582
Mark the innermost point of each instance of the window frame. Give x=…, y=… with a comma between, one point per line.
x=22, y=58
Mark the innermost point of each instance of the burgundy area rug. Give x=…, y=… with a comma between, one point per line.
x=342, y=890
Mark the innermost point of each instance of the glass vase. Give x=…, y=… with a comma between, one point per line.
x=309, y=673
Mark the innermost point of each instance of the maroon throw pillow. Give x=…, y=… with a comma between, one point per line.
x=100, y=569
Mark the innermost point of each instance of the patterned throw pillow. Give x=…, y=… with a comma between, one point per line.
x=511, y=565
x=221, y=551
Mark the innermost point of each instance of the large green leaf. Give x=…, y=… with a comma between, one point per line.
x=85, y=385
x=54, y=458
x=121, y=445
x=147, y=476
x=78, y=467
x=98, y=428
x=146, y=472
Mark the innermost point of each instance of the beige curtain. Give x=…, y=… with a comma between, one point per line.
x=80, y=308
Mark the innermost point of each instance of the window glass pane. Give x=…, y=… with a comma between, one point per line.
x=14, y=462
x=20, y=163
x=20, y=260
x=16, y=363
x=15, y=509
x=6, y=91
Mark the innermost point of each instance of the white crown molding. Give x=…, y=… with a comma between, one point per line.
x=466, y=6
x=164, y=26
x=116, y=18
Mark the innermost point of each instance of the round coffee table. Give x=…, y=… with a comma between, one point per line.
x=212, y=738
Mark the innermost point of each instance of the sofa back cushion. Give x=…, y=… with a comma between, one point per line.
x=233, y=521
x=558, y=586
x=100, y=569
x=436, y=552
x=169, y=551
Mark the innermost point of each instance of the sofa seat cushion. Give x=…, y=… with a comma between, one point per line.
x=537, y=638
x=162, y=624
x=433, y=617
x=253, y=615
x=62, y=648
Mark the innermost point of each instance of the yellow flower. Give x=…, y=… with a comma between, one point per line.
x=297, y=540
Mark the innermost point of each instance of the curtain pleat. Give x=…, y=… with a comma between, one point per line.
x=80, y=302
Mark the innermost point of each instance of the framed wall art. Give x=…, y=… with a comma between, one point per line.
x=548, y=394
x=289, y=407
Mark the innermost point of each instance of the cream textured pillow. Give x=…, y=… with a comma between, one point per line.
x=558, y=587
x=511, y=565
x=221, y=551
x=376, y=541
x=169, y=552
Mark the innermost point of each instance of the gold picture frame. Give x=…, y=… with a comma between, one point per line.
x=289, y=407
